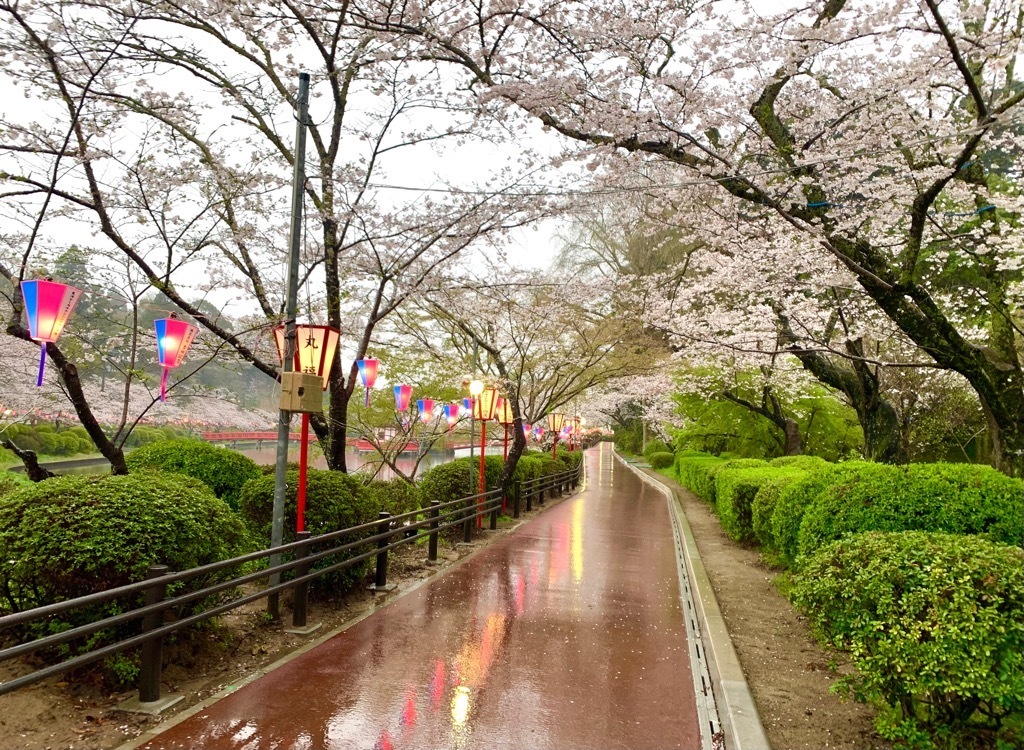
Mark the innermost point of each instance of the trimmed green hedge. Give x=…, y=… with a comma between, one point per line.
x=222, y=470
x=955, y=498
x=75, y=535
x=796, y=497
x=807, y=463
x=693, y=470
x=9, y=482
x=396, y=496
x=934, y=624
x=655, y=446
x=736, y=491
x=661, y=460
x=333, y=501
x=763, y=507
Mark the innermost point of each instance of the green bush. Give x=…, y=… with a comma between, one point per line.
x=656, y=446
x=797, y=496
x=661, y=460
x=396, y=496
x=765, y=500
x=808, y=463
x=222, y=470
x=447, y=482
x=74, y=535
x=934, y=624
x=694, y=472
x=10, y=481
x=955, y=498
x=735, y=491
x=333, y=501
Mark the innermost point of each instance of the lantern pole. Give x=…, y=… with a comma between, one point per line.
x=472, y=435
x=287, y=365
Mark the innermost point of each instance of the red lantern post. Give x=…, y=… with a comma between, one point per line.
x=483, y=410
x=48, y=305
x=505, y=418
x=555, y=422
x=314, y=353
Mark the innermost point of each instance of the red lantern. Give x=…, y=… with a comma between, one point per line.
x=48, y=305
x=173, y=338
x=368, y=375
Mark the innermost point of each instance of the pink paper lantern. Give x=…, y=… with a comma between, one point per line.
x=48, y=305
x=451, y=413
x=173, y=338
x=425, y=406
x=368, y=375
x=402, y=395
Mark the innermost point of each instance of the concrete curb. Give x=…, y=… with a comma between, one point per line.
x=737, y=712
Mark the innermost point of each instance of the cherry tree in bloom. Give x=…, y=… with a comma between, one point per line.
x=882, y=133
x=165, y=130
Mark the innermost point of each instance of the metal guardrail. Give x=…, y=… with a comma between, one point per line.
x=386, y=533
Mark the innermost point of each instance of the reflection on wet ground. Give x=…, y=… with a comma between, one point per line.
x=566, y=634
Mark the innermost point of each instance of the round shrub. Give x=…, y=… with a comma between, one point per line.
x=10, y=481
x=655, y=446
x=528, y=467
x=735, y=490
x=222, y=470
x=333, y=501
x=661, y=460
x=74, y=535
x=796, y=497
x=694, y=472
x=956, y=498
x=447, y=482
x=765, y=500
x=808, y=463
x=934, y=624
x=396, y=496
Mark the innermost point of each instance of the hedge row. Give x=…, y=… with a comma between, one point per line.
x=913, y=570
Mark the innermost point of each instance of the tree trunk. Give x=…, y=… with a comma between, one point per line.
x=794, y=441
x=33, y=470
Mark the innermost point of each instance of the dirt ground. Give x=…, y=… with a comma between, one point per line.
x=788, y=672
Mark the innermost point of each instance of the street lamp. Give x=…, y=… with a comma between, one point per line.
x=505, y=418
x=484, y=407
x=555, y=423
x=315, y=347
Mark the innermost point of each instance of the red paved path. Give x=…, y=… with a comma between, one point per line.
x=567, y=634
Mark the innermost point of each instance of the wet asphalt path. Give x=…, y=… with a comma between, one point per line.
x=567, y=634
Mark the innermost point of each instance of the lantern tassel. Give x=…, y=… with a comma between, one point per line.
x=367, y=398
x=42, y=363
x=163, y=384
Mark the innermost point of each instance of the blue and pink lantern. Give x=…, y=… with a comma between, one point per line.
x=526, y=430
x=403, y=393
x=173, y=338
x=425, y=406
x=368, y=375
x=48, y=305
x=451, y=413
x=538, y=433
x=467, y=406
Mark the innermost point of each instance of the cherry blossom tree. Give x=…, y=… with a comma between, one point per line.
x=863, y=126
x=164, y=127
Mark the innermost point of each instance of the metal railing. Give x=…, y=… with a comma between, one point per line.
x=386, y=533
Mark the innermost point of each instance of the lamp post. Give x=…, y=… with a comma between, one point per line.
x=476, y=387
x=555, y=422
x=483, y=410
x=315, y=347
x=505, y=418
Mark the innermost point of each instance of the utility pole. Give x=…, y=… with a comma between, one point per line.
x=291, y=305
x=472, y=432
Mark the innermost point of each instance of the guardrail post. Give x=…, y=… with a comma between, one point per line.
x=529, y=495
x=516, y=492
x=432, y=539
x=494, y=514
x=152, y=650
x=381, y=578
x=543, y=486
x=300, y=595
